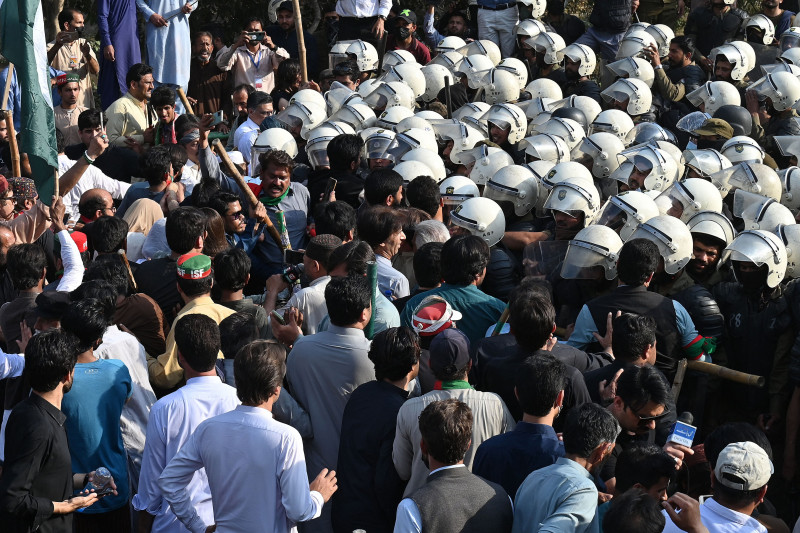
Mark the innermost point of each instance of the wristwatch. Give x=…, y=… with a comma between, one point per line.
x=383, y=18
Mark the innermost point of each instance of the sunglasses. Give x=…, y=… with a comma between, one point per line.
x=237, y=214
x=644, y=420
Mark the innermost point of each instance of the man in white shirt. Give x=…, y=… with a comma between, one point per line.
x=93, y=178
x=253, y=61
x=739, y=484
x=255, y=466
x=259, y=107
x=365, y=20
x=175, y=417
x=310, y=300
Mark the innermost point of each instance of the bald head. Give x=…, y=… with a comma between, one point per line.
x=7, y=240
x=95, y=203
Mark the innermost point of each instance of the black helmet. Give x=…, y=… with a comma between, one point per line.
x=738, y=117
x=572, y=113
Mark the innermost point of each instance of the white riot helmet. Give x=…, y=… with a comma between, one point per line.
x=789, y=145
x=742, y=149
x=567, y=170
x=636, y=27
x=733, y=55
x=272, y=10
x=790, y=235
x=538, y=7
x=673, y=238
x=705, y=162
x=651, y=133
x=790, y=56
x=688, y=197
x=633, y=43
x=451, y=60
x=500, y=86
x=487, y=166
x=455, y=189
x=780, y=67
x=790, y=179
x=574, y=196
x=763, y=23
x=748, y=51
x=411, y=170
x=588, y=106
x=663, y=169
x=761, y=248
x=593, y=246
x=318, y=139
x=529, y=28
x=635, y=91
x=409, y=74
x=549, y=44
x=468, y=157
x=367, y=86
x=760, y=212
x=305, y=117
x=613, y=121
x=483, y=47
x=790, y=39
x=751, y=177
x=393, y=116
x=783, y=88
x=463, y=137
x=414, y=121
x=357, y=115
x=545, y=147
x=567, y=129
x=544, y=88
x=390, y=94
x=413, y=138
x=268, y=140
x=475, y=68
x=365, y=55
x=471, y=109
x=603, y=148
x=430, y=158
x=396, y=57
x=517, y=68
x=481, y=217
x=506, y=116
x=309, y=97
x=663, y=35
x=338, y=53
x=580, y=53
x=435, y=76
x=515, y=184
x=377, y=143
x=712, y=224
x=633, y=67
x=713, y=95
x=624, y=212
x=339, y=96
x=451, y=43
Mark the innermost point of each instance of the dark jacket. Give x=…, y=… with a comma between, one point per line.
x=613, y=16
x=288, y=41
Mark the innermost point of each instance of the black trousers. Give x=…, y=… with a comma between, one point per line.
x=351, y=28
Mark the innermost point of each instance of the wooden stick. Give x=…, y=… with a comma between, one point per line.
x=55, y=182
x=8, y=85
x=128, y=267
x=727, y=373
x=447, y=97
x=231, y=168
x=677, y=383
x=501, y=322
x=185, y=101
x=12, y=144
x=301, y=43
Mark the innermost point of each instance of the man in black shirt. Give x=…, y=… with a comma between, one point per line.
x=37, y=484
x=344, y=155
x=116, y=162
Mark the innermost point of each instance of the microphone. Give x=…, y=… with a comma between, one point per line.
x=683, y=431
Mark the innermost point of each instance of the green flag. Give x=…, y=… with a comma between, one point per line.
x=22, y=42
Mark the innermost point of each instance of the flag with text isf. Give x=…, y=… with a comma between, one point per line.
x=22, y=42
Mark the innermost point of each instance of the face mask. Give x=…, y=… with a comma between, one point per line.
x=402, y=33
x=752, y=282
x=703, y=144
x=80, y=31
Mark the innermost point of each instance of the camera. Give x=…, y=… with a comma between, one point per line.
x=292, y=273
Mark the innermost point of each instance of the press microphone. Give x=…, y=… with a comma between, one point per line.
x=683, y=431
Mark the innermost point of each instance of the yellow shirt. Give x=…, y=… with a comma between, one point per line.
x=164, y=371
x=126, y=118
x=69, y=58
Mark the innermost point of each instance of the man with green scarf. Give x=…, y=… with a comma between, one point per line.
x=450, y=363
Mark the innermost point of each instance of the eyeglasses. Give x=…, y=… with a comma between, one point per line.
x=113, y=209
x=237, y=214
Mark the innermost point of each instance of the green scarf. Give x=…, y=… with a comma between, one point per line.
x=451, y=385
x=272, y=202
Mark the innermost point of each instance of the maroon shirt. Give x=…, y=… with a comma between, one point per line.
x=417, y=49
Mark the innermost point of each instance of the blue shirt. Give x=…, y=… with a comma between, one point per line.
x=93, y=407
x=507, y=459
x=136, y=192
x=557, y=498
x=478, y=309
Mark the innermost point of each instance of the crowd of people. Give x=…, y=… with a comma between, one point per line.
x=497, y=271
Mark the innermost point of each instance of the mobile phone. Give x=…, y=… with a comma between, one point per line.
x=73, y=36
x=293, y=257
x=256, y=35
x=105, y=491
x=217, y=118
x=276, y=316
x=329, y=188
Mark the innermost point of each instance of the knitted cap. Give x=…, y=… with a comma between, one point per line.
x=194, y=266
x=321, y=247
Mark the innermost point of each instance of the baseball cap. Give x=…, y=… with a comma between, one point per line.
x=408, y=15
x=449, y=352
x=71, y=77
x=80, y=240
x=715, y=126
x=433, y=315
x=743, y=466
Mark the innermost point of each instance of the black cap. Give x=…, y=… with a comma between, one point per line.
x=51, y=305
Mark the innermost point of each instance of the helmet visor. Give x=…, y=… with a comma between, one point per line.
x=378, y=147
x=399, y=147
x=498, y=191
x=750, y=205
x=542, y=258
x=584, y=260
x=692, y=121
x=613, y=216
x=789, y=40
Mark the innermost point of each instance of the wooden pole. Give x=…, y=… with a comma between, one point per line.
x=12, y=144
x=185, y=101
x=231, y=168
x=7, y=89
x=301, y=43
x=727, y=373
x=55, y=182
